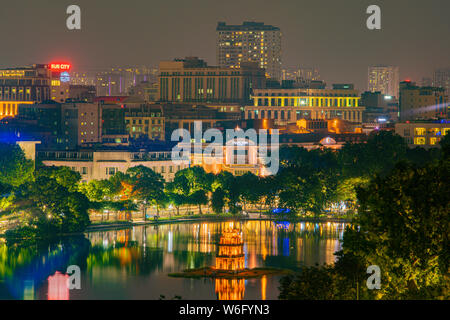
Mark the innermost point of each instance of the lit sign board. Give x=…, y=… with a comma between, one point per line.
x=59, y=66
x=65, y=77
x=12, y=73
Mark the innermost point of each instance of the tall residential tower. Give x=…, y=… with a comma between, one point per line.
x=251, y=41
x=384, y=79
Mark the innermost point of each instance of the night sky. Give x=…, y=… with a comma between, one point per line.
x=329, y=34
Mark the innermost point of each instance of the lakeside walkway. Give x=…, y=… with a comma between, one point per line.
x=209, y=218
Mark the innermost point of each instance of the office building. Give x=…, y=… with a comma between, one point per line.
x=145, y=121
x=191, y=80
x=33, y=84
x=24, y=85
x=422, y=102
x=378, y=107
x=251, y=41
x=425, y=134
x=289, y=105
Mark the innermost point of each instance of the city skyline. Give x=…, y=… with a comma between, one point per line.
x=327, y=35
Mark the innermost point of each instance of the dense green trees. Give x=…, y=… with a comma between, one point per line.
x=49, y=204
x=44, y=202
x=146, y=186
x=307, y=183
x=403, y=227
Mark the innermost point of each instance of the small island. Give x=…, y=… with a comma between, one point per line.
x=230, y=263
x=212, y=272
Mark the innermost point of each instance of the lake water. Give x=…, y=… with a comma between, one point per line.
x=134, y=263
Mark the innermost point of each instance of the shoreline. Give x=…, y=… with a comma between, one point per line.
x=128, y=224
x=119, y=225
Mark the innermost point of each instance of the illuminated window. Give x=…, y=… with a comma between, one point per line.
x=435, y=131
x=433, y=140
x=419, y=140
x=445, y=131
x=420, y=132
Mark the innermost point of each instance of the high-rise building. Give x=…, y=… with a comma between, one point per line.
x=416, y=103
x=251, y=41
x=384, y=79
x=191, y=80
x=441, y=79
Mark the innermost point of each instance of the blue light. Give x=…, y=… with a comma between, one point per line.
x=281, y=210
x=282, y=225
x=64, y=77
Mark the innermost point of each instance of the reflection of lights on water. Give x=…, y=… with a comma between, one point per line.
x=263, y=287
x=282, y=225
x=170, y=241
x=28, y=290
x=230, y=289
x=286, y=247
x=58, y=286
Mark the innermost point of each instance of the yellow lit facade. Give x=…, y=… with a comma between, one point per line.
x=424, y=134
x=10, y=108
x=289, y=105
x=28, y=85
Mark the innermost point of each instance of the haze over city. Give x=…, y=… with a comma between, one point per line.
x=191, y=150
x=330, y=35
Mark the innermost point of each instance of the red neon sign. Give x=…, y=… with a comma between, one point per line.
x=59, y=66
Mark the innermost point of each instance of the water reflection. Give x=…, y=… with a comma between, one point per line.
x=58, y=286
x=230, y=257
x=133, y=263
